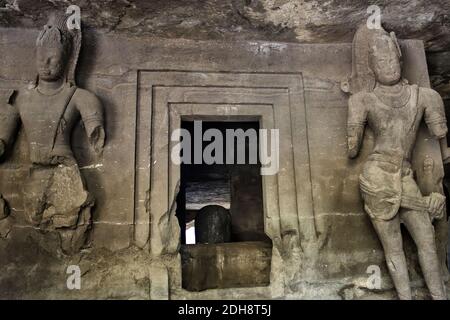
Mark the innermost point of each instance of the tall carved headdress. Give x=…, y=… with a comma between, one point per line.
x=362, y=77
x=57, y=34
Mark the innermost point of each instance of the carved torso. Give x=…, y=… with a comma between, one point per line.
x=387, y=176
x=48, y=121
x=395, y=126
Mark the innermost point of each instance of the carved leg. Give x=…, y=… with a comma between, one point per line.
x=441, y=228
x=391, y=240
x=34, y=194
x=422, y=231
x=73, y=239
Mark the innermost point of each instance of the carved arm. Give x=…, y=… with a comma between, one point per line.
x=355, y=134
x=9, y=122
x=436, y=120
x=92, y=115
x=356, y=120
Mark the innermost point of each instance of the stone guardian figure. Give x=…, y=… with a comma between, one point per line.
x=394, y=109
x=55, y=197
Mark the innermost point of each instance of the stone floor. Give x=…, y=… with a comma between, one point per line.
x=38, y=273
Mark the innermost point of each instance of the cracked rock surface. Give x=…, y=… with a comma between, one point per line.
x=309, y=21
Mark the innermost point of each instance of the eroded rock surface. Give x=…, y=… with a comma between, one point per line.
x=306, y=21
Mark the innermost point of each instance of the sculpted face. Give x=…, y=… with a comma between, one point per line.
x=50, y=63
x=385, y=61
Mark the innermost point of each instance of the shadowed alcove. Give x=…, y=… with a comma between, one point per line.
x=226, y=189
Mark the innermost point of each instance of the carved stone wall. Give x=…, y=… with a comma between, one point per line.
x=313, y=209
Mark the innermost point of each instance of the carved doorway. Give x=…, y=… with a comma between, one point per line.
x=166, y=98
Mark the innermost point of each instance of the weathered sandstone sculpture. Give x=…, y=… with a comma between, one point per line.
x=55, y=198
x=394, y=109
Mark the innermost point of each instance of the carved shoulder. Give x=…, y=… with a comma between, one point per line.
x=86, y=99
x=20, y=98
x=7, y=103
x=9, y=119
x=428, y=96
x=360, y=100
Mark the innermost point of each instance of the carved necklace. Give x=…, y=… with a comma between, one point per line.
x=391, y=97
x=53, y=93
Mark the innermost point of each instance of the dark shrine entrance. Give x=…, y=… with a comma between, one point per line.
x=220, y=210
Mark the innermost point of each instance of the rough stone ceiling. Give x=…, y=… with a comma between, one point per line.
x=272, y=20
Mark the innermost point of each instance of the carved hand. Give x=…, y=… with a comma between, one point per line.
x=354, y=138
x=352, y=147
x=97, y=139
x=436, y=205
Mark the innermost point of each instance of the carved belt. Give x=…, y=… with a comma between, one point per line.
x=400, y=162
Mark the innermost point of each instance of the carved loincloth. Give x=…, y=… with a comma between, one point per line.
x=386, y=186
x=55, y=199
